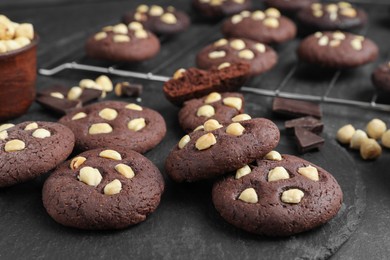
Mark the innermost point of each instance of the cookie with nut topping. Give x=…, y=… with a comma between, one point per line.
x=212, y=150
x=337, y=50
x=259, y=56
x=30, y=149
x=114, y=123
x=160, y=20
x=123, y=43
x=289, y=6
x=218, y=106
x=267, y=26
x=101, y=189
x=332, y=16
x=280, y=195
x=220, y=8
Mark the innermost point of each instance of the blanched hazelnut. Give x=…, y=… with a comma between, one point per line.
x=358, y=137
x=376, y=128
x=345, y=133
x=370, y=149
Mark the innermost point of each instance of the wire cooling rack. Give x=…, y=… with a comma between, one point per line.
x=278, y=91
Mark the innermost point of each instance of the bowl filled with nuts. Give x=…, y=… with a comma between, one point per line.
x=18, y=65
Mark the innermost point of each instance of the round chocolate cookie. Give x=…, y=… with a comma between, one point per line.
x=280, y=196
x=337, y=50
x=213, y=150
x=332, y=16
x=114, y=123
x=196, y=112
x=103, y=189
x=160, y=20
x=289, y=6
x=220, y=8
x=31, y=149
x=122, y=43
x=381, y=77
x=267, y=26
x=260, y=56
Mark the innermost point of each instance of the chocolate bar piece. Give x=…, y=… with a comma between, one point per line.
x=308, y=122
x=296, y=108
x=126, y=89
x=89, y=94
x=306, y=140
x=58, y=105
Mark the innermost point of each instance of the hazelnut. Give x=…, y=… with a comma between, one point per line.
x=235, y=129
x=357, y=44
x=243, y=171
x=110, y=154
x=323, y=41
x=278, y=173
x=100, y=36
x=334, y=43
x=105, y=83
x=14, y=145
x=349, y=12
x=272, y=12
x=318, y=13
x=107, y=28
x=76, y=162
x=318, y=34
x=233, y=102
x=211, y=125
x=246, y=54
x=215, y=2
x=212, y=97
x=141, y=34
x=260, y=47
x=375, y=128
x=249, y=195
x=7, y=31
x=136, y=124
x=125, y=170
x=220, y=42
x=309, y=172
x=57, y=95
x=74, y=93
x=241, y=117
x=168, y=18
x=338, y=35
x=135, y=26
x=100, y=128
x=206, y=111
x=184, y=141
x=31, y=126
x=140, y=16
x=113, y=187
x=23, y=41
x=292, y=196
x=79, y=116
x=273, y=156
x=357, y=139
x=142, y=8
x=6, y=126
x=25, y=30
x=244, y=13
x=3, y=47
x=120, y=29
x=258, y=15
x=89, y=83
x=121, y=38
x=345, y=133
x=271, y=22
x=205, y=141
x=108, y=114
x=331, y=8
x=12, y=45
x=237, y=44
x=41, y=133
x=133, y=106
x=236, y=19
x=370, y=149
x=333, y=16
x=156, y=10
x=224, y=65
x=386, y=139
x=90, y=176
x=217, y=54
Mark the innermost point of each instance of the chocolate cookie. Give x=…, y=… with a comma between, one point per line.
x=213, y=150
x=220, y=8
x=31, y=149
x=331, y=17
x=114, y=123
x=160, y=20
x=280, y=196
x=196, y=83
x=103, y=189
x=289, y=6
x=337, y=50
x=122, y=43
x=267, y=26
x=381, y=78
x=260, y=57
x=196, y=112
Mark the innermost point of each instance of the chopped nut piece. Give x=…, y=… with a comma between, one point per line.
x=205, y=141
x=357, y=44
x=260, y=47
x=349, y=12
x=370, y=149
x=246, y=54
x=57, y=95
x=105, y=83
x=243, y=171
x=141, y=34
x=108, y=114
x=156, y=10
x=41, y=133
x=249, y=195
x=274, y=156
x=235, y=129
x=142, y=8
x=100, y=36
x=244, y=13
x=100, y=128
x=272, y=12
x=236, y=19
x=31, y=126
x=334, y=43
x=121, y=38
x=110, y=154
x=201, y=127
x=309, y=172
x=224, y=65
x=345, y=133
x=3, y=135
x=184, y=141
x=318, y=34
x=79, y=116
x=217, y=54
x=375, y=128
x=292, y=196
x=74, y=93
x=258, y=15
x=169, y=18
x=6, y=126
x=358, y=137
x=278, y=173
x=136, y=124
x=135, y=26
x=220, y=42
x=237, y=44
x=241, y=117
x=90, y=176
x=179, y=73
x=212, y=97
x=211, y=125
x=133, y=106
x=206, y=111
x=271, y=22
x=323, y=41
x=386, y=139
x=120, y=29
x=14, y=145
x=338, y=35
x=76, y=162
x=125, y=170
x=234, y=102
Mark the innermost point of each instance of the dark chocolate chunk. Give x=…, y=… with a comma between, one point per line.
x=308, y=122
x=58, y=105
x=296, y=108
x=126, y=89
x=89, y=94
x=306, y=140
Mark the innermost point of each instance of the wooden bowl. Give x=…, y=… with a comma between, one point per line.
x=18, y=73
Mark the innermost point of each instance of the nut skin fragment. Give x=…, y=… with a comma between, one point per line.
x=370, y=149
x=243, y=171
x=234, y=102
x=100, y=128
x=386, y=139
x=358, y=137
x=125, y=170
x=90, y=176
x=184, y=141
x=77, y=162
x=241, y=117
x=212, y=97
x=211, y=125
x=206, y=111
x=31, y=126
x=113, y=187
x=292, y=196
x=235, y=129
x=136, y=124
x=41, y=133
x=273, y=156
x=110, y=154
x=79, y=116
x=205, y=141
x=249, y=195
x=309, y=172
x=278, y=173
x=345, y=133
x=376, y=128
x=14, y=145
